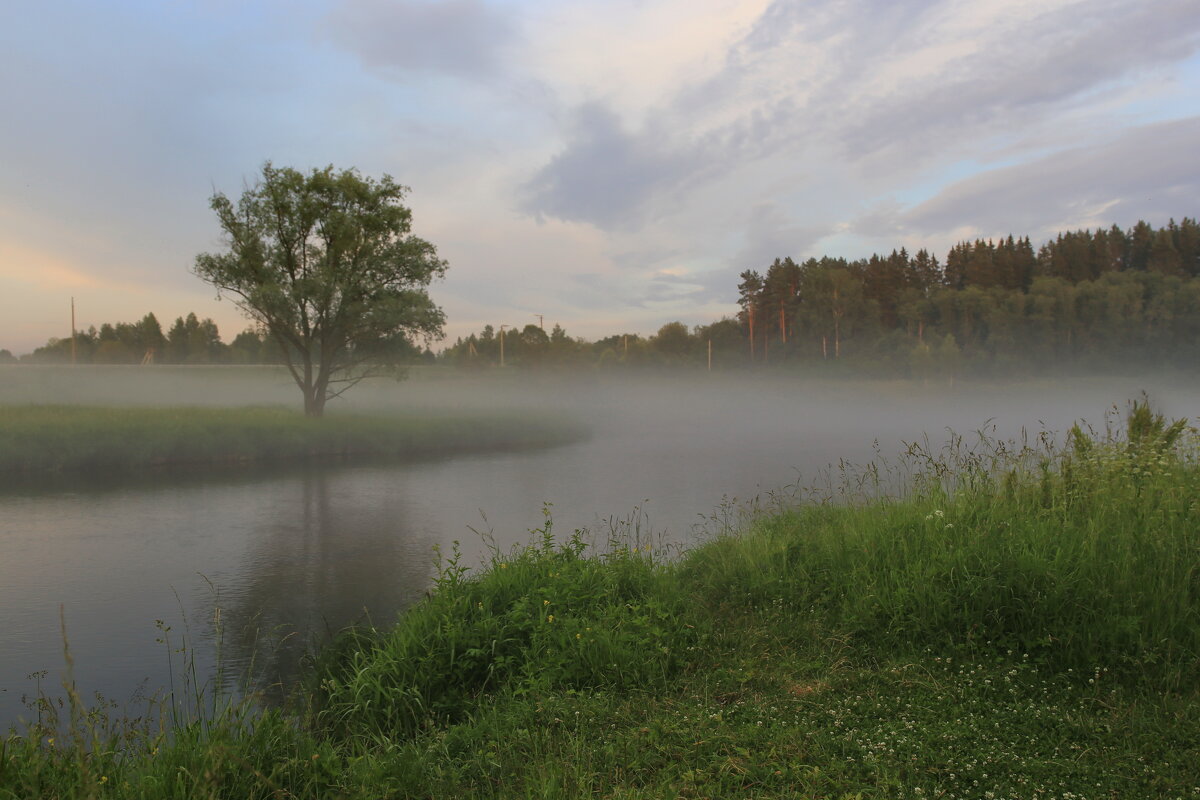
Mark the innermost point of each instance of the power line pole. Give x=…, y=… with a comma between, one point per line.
x=72, y=331
x=541, y=321
x=502, y=327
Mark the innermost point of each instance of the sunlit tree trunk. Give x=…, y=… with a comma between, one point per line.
x=750, y=317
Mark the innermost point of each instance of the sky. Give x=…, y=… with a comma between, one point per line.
x=611, y=165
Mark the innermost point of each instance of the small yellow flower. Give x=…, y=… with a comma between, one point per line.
x=579, y=636
x=503, y=565
x=104, y=779
x=545, y=602
x=50, y=741
x=550, y=618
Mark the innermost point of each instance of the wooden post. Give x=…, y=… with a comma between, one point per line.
x=502, y=327
x=72, y=331
x=710, y=355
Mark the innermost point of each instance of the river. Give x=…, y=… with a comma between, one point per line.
x=247, y=566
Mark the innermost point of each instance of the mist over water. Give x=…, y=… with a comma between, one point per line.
x=289, y=552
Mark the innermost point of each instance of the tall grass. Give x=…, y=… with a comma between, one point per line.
x=545, y=617
x=1084, y=555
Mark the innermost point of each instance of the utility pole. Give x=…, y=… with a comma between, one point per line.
x=72, y=331
x=502, y=327
x=710, y=355
x=541, y=321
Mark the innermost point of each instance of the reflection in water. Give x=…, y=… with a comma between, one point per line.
x=325, y=559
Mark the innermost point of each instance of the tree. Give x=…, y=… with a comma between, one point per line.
x=326, y=264
x=673, y=341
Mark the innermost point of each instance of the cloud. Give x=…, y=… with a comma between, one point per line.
x=886, y=87
x=771, y=233
x=465, y=38
x=1151, y=172
x=1015, y=71
x=607, y=176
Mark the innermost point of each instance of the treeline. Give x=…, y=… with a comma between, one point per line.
x=673, y=345
x=1092, y=299
x=189, y=340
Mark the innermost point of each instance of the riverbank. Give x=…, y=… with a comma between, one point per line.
x=46, y=439
x=1021, y=623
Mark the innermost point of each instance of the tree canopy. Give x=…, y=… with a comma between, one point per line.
x=326, y=263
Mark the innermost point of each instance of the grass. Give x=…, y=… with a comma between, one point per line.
x=1020, y=622
x=45, y=438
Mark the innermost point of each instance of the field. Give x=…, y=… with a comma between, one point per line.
x=1018, y=623
x=89, y=419
x=46, y=439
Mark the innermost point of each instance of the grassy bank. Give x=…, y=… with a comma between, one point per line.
x=1023, y=623
x=41, y=438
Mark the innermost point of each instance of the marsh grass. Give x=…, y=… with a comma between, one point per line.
x=1018, y=620
x=44, y=439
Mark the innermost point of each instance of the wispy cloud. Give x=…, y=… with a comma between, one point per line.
x=887, y=86
x=1151, y=172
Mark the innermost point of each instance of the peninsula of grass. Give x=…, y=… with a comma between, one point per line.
x=46, y=439
x=1021, y=623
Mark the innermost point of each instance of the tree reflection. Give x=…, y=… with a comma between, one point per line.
x=335, y=549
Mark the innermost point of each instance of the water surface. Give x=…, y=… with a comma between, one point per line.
x=287, y=554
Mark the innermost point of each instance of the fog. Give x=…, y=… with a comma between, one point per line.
x=290, y=551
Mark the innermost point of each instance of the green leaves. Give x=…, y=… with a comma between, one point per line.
x=328, y=264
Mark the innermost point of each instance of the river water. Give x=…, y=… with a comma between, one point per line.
x=247, y=566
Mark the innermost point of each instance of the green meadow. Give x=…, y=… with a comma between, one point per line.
x=1002, y=620
x=47, y=438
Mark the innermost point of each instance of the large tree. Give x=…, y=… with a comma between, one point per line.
x=326, y=264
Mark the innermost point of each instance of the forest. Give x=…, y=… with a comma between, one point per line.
x=1087, y=299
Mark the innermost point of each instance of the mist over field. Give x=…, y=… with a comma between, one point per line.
x=673, y=444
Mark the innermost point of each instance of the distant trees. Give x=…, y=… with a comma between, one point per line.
x=1093, y=297
x=190, y=340
x=1088, y=298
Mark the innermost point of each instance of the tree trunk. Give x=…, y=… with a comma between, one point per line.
x=750, y=316
x=314, y=401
